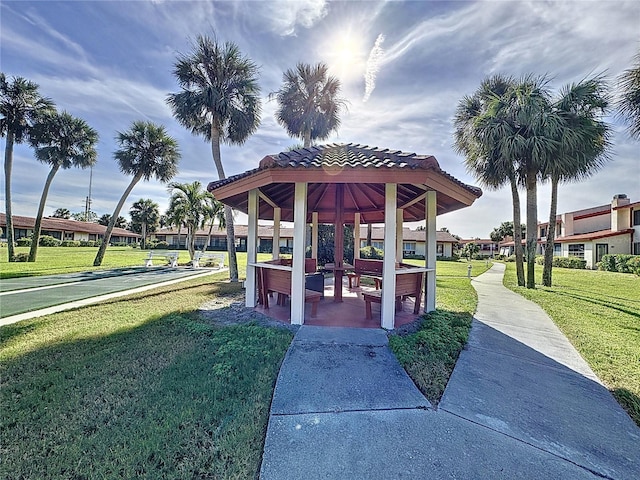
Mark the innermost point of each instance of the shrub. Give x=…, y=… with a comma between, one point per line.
x=413, y=256
x=21, y=257
x=499, y=256
x=620, y=263
x=540, y=259
x=89, y=243
x=23, y=242
x=371, y=253
x=70, y=243
x=162, y=245
x=48, y=241
x=454, y=258
x=569, y=262
x=510, y=258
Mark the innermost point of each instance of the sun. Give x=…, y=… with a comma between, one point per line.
x=346, y=55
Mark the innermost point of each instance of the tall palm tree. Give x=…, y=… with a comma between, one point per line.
x=308, y=102
x=20, y=107
x=480, y=126
x=62, y=141
x=220, y=99
x=145, y=215
x=146, y=150
x=213, y=212
x=191, y=199
x=629, y=101
x=582, y=146
x=121, y=222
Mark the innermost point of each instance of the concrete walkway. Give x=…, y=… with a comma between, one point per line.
x=521, y=403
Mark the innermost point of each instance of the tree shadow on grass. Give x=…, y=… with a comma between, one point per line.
x=170, y=398
x=629, y=401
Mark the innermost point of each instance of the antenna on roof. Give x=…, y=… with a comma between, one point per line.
x=87, y=203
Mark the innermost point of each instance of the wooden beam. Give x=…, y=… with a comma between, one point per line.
x=252, y=250
x=297, y=274
x=388, y=306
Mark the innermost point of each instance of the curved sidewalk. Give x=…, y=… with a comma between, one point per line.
x=520, y=404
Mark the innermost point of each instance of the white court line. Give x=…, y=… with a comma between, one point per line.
x=35, y=289
x=89, y=301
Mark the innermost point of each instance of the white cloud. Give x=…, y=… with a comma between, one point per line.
x=284, y=16
x=373, y=67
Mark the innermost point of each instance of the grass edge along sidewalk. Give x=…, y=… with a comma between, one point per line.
x=599, y=312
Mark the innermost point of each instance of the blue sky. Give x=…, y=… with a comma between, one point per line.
x=404, y=66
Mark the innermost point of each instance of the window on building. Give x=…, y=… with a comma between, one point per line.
x=636, y=217
x=576, y=250
x=440, y=249
x=601, y=250
x=409, y=248
x=543, y=232
x=378, y=245
x=68, y=235
x=636, y=248
x=557, y=249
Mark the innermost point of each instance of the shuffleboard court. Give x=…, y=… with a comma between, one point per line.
x=20, y=295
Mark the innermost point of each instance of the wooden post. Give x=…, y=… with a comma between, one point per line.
x=297, y=274
x=430, y=257
x=399, y=239
x=314, y=235
x=252, y=249
x=338, y=247
x=388, y=307
x=275, y=247
x=356, y=236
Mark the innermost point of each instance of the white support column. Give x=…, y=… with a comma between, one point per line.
x=430, y=282
x=314, y=235
x=356, y=236
x=388, y=306
x=297, y=275
x=275, y=247
x=252, y=249
x=399, y=223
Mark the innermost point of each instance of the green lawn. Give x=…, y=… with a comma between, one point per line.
x=430, y=354
x=600, y=314
x=137, y=388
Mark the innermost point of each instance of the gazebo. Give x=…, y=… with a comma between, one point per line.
x=344, y=184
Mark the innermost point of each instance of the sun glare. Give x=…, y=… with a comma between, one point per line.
x=346, y=55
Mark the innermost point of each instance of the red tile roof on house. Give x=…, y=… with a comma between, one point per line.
x=64, y=225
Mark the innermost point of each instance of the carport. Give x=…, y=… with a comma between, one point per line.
x=344, y=184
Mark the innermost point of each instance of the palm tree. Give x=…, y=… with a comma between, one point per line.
x=582, y=147
x=146, y=150
x=308, y=102
x=213, y=211
x=62, y=141
x=145, y=214
x=62, y=213
x=21, y=105
x=175, y=217
x=629, y=101
x=190, y=199
x=121, y=222
x=220, y=99
x=480, y=125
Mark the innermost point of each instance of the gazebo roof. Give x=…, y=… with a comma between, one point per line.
x=363, y=171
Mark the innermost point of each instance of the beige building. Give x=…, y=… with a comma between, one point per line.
x=593, y=232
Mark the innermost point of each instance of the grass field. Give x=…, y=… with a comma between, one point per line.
x=137, y=388
x=600, y=314
x=430, y=354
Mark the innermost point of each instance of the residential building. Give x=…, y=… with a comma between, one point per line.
x=63, y=229
x=488, y=248
x=593, y=232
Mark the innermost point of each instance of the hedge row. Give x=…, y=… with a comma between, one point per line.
x=620, y=263
x=565, y=262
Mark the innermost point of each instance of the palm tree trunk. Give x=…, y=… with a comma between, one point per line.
x=306, y=139
x=33, y=251
x=191, y=239
x=368, y=234
x=228, y=213
x=532, y=226
x=8, y=164
x=107, y=234
x=144, y=235
x=517, y=233
x=204, y=247
x=551, y=234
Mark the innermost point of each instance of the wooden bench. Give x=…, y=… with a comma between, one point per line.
x=217, y=259
x=368, y=268
x=170, y=257
x=279, y=281
x=407, y=285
